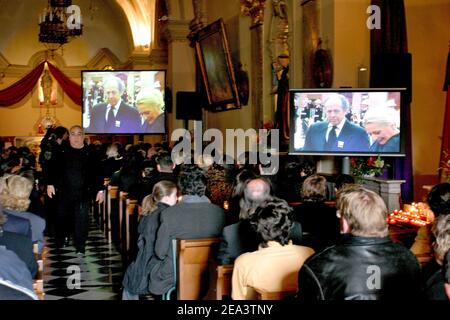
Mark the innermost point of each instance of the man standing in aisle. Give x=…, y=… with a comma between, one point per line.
x=72, y=179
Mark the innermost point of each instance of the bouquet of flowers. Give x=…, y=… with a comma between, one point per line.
x=370, y=166
x=445, y=165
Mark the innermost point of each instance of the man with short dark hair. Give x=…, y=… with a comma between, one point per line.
x=73, y=180
x=274, y=266
x=164, y=168
x=366, y=264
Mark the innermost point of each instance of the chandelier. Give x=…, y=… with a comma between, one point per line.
x=59, y=23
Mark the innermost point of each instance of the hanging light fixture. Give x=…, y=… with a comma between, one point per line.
x=59, y=23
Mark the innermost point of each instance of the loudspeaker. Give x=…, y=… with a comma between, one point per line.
x=189, y=106
x=392, y=70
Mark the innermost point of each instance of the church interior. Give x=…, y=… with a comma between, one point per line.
x=220, y=65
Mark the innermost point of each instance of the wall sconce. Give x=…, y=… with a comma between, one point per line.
x=363, y=76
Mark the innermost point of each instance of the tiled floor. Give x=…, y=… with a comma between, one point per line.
x=100, y=270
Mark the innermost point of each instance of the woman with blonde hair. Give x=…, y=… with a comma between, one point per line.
x=15, y=200
x=135, y=281
x=150, y=104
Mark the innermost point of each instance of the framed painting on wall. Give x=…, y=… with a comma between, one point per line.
x=214, y=59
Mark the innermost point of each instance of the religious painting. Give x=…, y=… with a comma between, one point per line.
x=218, y=76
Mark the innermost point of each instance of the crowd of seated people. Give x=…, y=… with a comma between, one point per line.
x=248, y=209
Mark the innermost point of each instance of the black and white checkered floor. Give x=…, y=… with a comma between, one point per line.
x=95, y=276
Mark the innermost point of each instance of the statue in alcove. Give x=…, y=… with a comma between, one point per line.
x=46, y=84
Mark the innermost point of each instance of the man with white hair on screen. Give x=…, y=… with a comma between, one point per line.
x=114, y=116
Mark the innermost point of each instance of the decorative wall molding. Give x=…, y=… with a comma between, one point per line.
x=159, y=56
x=104, y=57
x=255, y=10
x=177, y=30
x=200, y=19
x=279, y=34
x=257, y=78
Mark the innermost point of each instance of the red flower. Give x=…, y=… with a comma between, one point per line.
x=268, y=125
x=371, y=161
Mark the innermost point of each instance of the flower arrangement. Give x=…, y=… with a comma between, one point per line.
x=370, y=166
x=445, y=165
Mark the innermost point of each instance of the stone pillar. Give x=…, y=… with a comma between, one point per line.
x=389, y=190
x=181, y=71
x=255, y=10
x=257, y=80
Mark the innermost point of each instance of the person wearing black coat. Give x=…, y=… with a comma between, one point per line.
x=73, y=179
x=19, y=244
x=135, y=281
x=366, y=264
x=318, y=220
x=15, y=279
x=195, y=217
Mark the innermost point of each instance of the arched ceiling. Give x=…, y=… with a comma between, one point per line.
x=122, y=26
x=141, y=18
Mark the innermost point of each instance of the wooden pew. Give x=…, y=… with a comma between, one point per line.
x=103, y=207
x=330, y=203
x=38, y=281
x=192, y=266
x=128, y=209
x=278, y=295
x=123, y=225
x=131, y=219
x=219, y=281
x=112, y=199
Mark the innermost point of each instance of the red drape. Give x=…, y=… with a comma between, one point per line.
x=72, y=89
x=16, y=92
x=445, y=146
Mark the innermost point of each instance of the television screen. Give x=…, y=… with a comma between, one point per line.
x=346, y=122
x=124, y=102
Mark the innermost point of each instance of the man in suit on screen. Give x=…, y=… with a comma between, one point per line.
x=115, y=116
x=337, y=134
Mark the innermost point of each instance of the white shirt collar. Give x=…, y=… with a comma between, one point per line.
x=116, y=109
x=338, y=127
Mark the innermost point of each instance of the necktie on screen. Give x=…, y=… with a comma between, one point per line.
x=110, y=120
x=332, y=139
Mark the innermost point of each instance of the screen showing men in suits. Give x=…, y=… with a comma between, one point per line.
x=346, y=122
x=124, y=102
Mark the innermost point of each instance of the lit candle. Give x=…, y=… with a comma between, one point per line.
x=225, y=205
